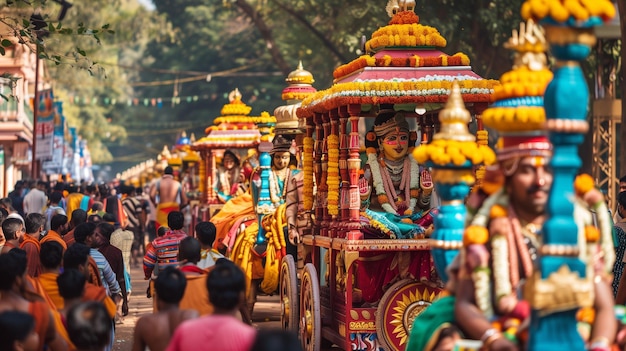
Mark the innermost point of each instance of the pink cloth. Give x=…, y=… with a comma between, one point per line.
x=213, y=332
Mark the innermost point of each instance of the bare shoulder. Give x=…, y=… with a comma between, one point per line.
x=188, y=314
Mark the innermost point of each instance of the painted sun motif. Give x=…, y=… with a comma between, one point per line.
x=408, y=307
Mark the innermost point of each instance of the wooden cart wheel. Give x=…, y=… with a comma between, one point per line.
x=289, y=299
x=310, y=316
x=398, y=307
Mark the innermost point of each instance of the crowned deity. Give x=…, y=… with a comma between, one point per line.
x=395, y=191
x=229, y=177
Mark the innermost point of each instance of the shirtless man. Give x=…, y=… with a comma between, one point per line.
x=155, y=330
x=168, y=195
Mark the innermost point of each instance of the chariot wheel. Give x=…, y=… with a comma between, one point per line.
x=289, y=299
x=398, y=307
x=310, y=316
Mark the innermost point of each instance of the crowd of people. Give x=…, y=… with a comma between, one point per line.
x=65, y=258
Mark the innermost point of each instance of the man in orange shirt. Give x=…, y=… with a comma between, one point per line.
x=58, y=225
x=34, y=223
x=77, y=257
x=51, y=257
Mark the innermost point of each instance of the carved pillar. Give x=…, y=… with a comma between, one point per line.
x=344, y=202
x=354, y=165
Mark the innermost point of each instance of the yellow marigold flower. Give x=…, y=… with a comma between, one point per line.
x=475, y=235
x=592, y=234
x=586, y=314
x=583, y=183
x=498, y=211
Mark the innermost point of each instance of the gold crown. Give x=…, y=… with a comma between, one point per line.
x=530, y=38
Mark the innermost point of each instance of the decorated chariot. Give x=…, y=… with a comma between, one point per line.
x=369, y=268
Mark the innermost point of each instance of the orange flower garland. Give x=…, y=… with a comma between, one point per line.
x=307, y=169
x=410, y=35
x=332, y=180
x=458, y=59
x=475, y=235
x=583, y=184
x=447, y=152
x=561, y=11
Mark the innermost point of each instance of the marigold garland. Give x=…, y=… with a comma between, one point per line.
x=333, y=174
x=404, y=17
x=583, y=183
x=592, y=234
x=498, y=211
x=458, y=59
x=475, y=235
x=452, y=152
x=307, y=169
x=410, y=35
x=562, y=11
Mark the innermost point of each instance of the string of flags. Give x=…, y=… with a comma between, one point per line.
x=157, y=102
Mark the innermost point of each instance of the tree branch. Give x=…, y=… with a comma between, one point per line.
x=327, y=43
x=266, y=33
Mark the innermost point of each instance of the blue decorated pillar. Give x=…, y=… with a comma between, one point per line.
x=553, y=318
x=452, y=154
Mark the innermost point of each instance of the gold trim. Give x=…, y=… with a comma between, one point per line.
x=563, y=290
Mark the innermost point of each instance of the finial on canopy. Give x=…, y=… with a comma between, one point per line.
x=454, y=118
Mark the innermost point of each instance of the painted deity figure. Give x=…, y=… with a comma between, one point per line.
x=229, y=177
x=395, y=198
x=395, y=191
x=502, y=243
x=281, y=172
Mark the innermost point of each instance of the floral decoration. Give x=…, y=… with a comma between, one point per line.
x=475, y=235
x=583, y=184
x=564, y=10
x=458, y=59
x=407, y=34
x=307, y=169
x=332, y=179
x=236, y=107
x=429, y=89
x=456, y=153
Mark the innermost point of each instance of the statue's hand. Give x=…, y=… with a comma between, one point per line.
x=426, y=182
x=364, y=188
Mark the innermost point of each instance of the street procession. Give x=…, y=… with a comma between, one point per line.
x=254, y=175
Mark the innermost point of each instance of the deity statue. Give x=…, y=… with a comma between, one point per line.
x=395, y=192
x=228, y=177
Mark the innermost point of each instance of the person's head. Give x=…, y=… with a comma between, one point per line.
x=621, y=203
x=41, y=185
x=55, y=198
x=128, y=190
x=206, y=232
x=162, y=230
x=97, y=206
x=391, y=131
x=79, y=216
x=77, y=257
x=528, y=184
x=12, y=269
x=84, y=234
x=34, y=223
x=71, y=284
x=58, y=223
x=105, y=229
x=90, y=189
x=189, y=250
x=89, y=326
x=281, y=155
x=226, y=285
x=175, y=220
x=230, y=160
x=168, y=170
x=94, y=218
x=622, y=184
x=51, y=254
x=109, y=218
x=13, y=228
x=170, y=285
x=276, y=340
x=17, y=331
x=7, y=203
x=4, y=213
